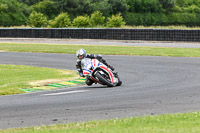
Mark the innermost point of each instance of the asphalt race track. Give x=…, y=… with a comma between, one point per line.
x=151, y=85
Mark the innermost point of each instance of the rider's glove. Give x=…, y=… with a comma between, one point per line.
x=81, y=74
x=98, y=57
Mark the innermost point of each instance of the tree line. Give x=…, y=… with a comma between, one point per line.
x=90, y=13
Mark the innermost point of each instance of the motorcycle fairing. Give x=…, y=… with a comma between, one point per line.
x=93, y=66
x=109, y=73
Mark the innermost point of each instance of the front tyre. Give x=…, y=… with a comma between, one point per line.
x=119, y=82
x=103, y=80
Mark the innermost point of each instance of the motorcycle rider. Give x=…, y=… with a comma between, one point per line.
x=81, y=54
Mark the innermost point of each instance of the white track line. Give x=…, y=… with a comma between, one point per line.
x=62, y=93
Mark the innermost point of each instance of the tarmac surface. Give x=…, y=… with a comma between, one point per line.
x=103, y=42
x=151, y=86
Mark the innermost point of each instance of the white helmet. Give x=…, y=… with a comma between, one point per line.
x=81, y=53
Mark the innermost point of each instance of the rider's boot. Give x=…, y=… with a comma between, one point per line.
x=88, y=81
x=116, y=74
x=111, y=67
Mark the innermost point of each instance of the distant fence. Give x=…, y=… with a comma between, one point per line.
x=101, y=33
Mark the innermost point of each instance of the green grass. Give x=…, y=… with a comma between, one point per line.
x=175, y=123
x=181, y=27
x=100, y=49
x=14, y=77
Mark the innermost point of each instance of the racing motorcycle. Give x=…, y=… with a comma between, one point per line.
x=100, y=73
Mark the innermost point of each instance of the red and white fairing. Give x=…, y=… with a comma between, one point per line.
x=92, y=64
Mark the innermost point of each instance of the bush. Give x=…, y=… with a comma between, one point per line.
x=97, y=19
x=37, y=20
x=147, y=19
x=115, y=21
x=61, y=21
x=81, y=21
x=188, y=19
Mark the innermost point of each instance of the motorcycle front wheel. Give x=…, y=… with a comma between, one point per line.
x=103, y=80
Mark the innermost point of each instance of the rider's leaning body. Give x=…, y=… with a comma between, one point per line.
x=81, y=54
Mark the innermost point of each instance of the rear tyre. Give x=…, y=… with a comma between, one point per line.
x=103, y=80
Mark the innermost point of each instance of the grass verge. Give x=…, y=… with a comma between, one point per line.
x=100, y=49
x=18, y=76
x=180, y=27
x=175, y=123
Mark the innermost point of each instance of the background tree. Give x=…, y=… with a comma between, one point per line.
x=74, y=7
x=103, y=6
x=186, y=3
x=85, y=7
x=189, y=6
x=168, y=5
x=142, y=6
x=46, y=7
x=30, y=2
x=69, y=6
x=134, y=12
x=118, y=6
x=109, y=7
x=13, y=12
